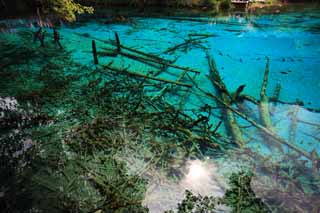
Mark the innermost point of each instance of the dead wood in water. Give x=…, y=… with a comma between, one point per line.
x=164, y=90
x=138, y=55
x=278, y=139
x=223, y=93
x=185, y=44
x=94, y=52
x=139, y=75
x=294, y=124
x=264, y=100
x=263, y=106
x=111, y=53
x=114, y=43
x=118, y=42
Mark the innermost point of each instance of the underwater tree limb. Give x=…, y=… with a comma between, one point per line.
x=114, y=43
x=274, y=100
x=278, y=139
x=150, y=60
x=249, y=98
x=94, y=52
x=118, y=42
x=263, y=105
x=294, y=124
x=150, y=57
x=276, y=93
x=309, y=123
x=222, y=91
x=217, y=127
x=139, y=75
x=264, y=100
x=187, y=42
x=164, y=90
x=143, y=60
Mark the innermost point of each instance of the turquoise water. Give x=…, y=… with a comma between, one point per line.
x=239, y=46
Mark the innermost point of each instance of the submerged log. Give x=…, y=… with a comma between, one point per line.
x=264, y=100
x=223, y=93
x=263, y=106
x=278, y=139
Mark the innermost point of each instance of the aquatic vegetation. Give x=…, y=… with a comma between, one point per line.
x=147, y=108
x=238, y=198
x=86, y=136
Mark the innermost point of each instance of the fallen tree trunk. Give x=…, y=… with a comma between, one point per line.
x=230, y=120
x=278, y=139
x=263, y=106
x=264, y=101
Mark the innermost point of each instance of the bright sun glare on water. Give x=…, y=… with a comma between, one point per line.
x=197, y=171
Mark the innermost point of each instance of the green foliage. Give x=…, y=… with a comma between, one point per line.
x=239, y=197
x=52, y=176
x=193, y=203
x=86, y=185
x=225, y=4
x=66, y=9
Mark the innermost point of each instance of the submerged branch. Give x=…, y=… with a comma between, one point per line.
x=223, y=93
x=139, y=75
x=278, y=139
x=263, y=105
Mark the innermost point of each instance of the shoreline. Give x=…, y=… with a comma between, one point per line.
x=256, y=8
